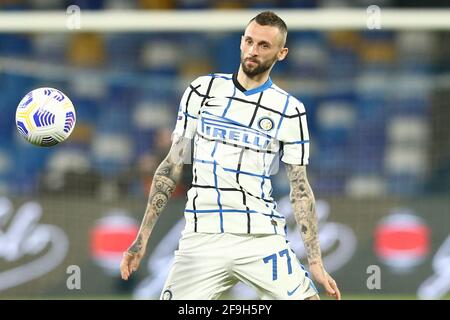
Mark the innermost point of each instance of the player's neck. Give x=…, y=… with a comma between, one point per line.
x=251, y=83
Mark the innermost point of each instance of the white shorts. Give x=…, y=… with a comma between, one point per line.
x=207, y=264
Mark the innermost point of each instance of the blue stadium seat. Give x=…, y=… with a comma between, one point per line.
x=88, y=4
x=50, y=47
x=343, y=62
x=112, y=152
x=29, y=164
x=193, y=4
x=366, y=147
x=14, y=45
x=405, y=185
x=87, y=110
x=124, y=56
x=227, y=48
x=308, y=57
x=143, y=141
x=307, y=4
x=328, y=183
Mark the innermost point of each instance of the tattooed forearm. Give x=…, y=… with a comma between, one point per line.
x=164, y=182
x=136, y=246
x=303, y=203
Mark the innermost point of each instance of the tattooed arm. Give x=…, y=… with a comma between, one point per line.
x=164, y=182
x=303, y=203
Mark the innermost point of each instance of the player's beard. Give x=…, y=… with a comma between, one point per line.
x=259, y=68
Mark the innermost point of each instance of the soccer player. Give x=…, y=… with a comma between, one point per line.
x=241, y=124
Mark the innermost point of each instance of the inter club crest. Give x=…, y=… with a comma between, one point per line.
x=265, y=123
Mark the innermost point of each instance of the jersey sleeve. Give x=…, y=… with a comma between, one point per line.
x=189, y=109
x=294, y=135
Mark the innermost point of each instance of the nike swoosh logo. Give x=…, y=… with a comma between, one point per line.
x=212, y=105
x=290, y=293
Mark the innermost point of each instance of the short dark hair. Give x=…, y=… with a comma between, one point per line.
x=270, y=18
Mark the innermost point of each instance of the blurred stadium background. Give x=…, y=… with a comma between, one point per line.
x=379, y=117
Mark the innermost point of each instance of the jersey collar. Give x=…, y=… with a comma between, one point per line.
x=261, y=88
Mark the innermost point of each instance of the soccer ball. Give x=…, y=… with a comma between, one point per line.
x=45, y=117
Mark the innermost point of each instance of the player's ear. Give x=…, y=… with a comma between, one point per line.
x=242, y=42
x=283, y=53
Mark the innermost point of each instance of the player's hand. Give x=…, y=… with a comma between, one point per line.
x=130, y=263
x=322, y=277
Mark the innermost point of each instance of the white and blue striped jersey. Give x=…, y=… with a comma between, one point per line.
x=239, y=136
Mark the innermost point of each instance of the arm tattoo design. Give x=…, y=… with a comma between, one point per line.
x=164, y=182
x=303, y=203
x=136, y=246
